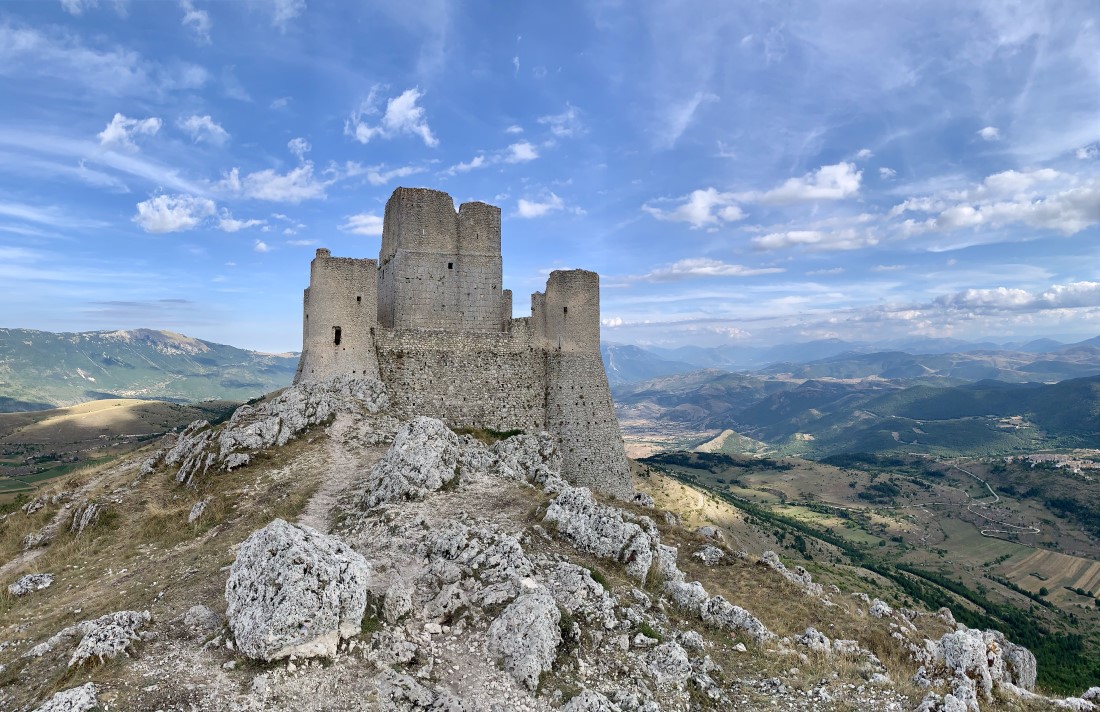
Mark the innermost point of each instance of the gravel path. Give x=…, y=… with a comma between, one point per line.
x=344, y=464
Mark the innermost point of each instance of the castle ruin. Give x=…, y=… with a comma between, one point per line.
x=431, y=320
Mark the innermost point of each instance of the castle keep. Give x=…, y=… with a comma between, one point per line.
x=431, y=320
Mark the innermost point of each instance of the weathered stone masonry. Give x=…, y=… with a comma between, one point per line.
x=431, y=320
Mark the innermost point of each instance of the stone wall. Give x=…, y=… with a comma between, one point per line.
x=492, y=380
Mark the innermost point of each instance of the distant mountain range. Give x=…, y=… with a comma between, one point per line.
x=41, y=370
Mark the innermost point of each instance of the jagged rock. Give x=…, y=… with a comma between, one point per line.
x=720, y=613
x=642, y=499
x=815, y=640
x=672, y=519
x=526, y=458
x=799, y=576
x=197, y=510
x=975, y=663
x=590, y=701
x=397, y=602
x=75, y=699
x=669, y=664
x=294, y=591
x=202, y=621
x=603, y=531
x=574, y=589
x=29, y=584
x=34, y=505
x=85, y=517
x=710, y=555
x=710, y=532
x=402, y=693
x=201, y=448
x=692, y=640
x=526, y=636
x=880, y=609
x=107, y=636
x=425, y=457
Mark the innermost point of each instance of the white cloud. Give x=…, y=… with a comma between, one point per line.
x=294, y=186
x=864, y=153
x=403, y=116
x=565, y=124
x=886, y=173
x=260, y=246
x=535, y=209
x=677, y=116
x=1074, y=295
x=204, y=128
x=828, y=271
x=513, y=129
x=363, y=224
x=475, y=162
x=299, y=147
x=376, y=175
x=521, y=153
x=120, y=132
x=702, y=208
x=612, y=322
x=705, y=267
x=989, y=133
x=281, y=103
x=846, y=239
x=283, y=11
x=227, y=223
x=833, y=182
x=888, y=268
x=197, y=20
x=77, y=7
x=1086, y=152
x=173, y=213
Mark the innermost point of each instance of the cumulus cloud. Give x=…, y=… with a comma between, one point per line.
x=566, y=124
x=299, y=147
x=989, y=133
x=261, y=246
x=702, y=208
x=1086, y=152
x=886, y=173
x=293, y=186
x=513, y=129
x=120, y=132
x=537, y=209
x=1074, y=295
x=844, y=239
x=173, y=213
x=704, y=267
x=204, y=128
x=612, y=322
x=864, y=153
x=363, y=224
x=77, y=7
x=198, y=21
x=826, y=183
x=521, y=153
x=402, y=116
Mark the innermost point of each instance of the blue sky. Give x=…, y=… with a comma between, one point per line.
x=738, y=172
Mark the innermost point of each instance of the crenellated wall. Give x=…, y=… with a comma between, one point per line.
x=431, y=320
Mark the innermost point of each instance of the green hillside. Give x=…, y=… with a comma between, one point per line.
x=40, y=369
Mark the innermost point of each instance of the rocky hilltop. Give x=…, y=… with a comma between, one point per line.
x=315, y=553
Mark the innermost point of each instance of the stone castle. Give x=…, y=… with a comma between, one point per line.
x=431, y=320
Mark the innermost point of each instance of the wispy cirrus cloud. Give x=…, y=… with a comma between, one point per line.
x=363, y=224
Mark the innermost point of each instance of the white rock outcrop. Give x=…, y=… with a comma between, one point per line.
x=101, y=638
x=669, y=664
x=294, y=591
x=75, y=699
x=425, y=456
x=29, y=584
x=974, y=664
x=526, y=636
x=201, y=448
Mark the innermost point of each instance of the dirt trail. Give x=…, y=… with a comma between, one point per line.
x=344, y=463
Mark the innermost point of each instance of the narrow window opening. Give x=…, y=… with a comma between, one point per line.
x=359, y=300
x=565, y=310
x=337, y=332
x=450, y=265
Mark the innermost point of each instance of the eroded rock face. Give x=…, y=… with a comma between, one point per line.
x=201, y=448
x=29, y=584
x=109, y=635
x=76, y=699
x=669, y=664
x=526, y=636
x=607, y=532
x=720, y=613
x=798, y=576
x=973, y=664
x=294, y=591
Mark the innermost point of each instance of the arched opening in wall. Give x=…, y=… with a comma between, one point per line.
x=337, y=334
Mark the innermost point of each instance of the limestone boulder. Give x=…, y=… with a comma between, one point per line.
x=720, y=613
x=605, y=531
x=669, y=664
x=526, y=636
x=425, y=456
x=75, y=699
x=108, y=636
x=294, y=591
x=526, y=458
x=29, y=584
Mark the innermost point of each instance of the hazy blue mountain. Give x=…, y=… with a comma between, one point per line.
x=628, y=364
x=41, y=369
